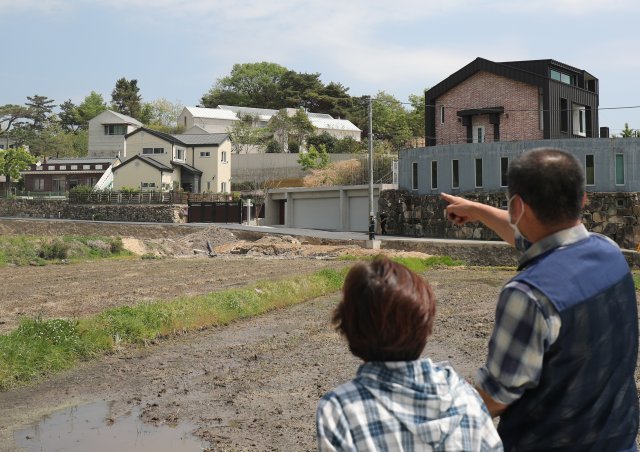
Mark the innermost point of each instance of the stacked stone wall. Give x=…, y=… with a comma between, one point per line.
x=616, y=215
x=32, y=208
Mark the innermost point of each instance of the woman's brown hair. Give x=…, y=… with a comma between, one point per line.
x=386, y=312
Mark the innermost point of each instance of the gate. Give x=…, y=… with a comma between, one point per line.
x=221, y=211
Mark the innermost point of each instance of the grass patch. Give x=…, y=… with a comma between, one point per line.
x=31, y=250
x=416, y=264
x=636, y=279
x=38, y=348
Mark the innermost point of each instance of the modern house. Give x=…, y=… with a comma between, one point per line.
x=59, y=175
x=107, y=132
x=222, y=118
x=512, y=101
x=194, y=162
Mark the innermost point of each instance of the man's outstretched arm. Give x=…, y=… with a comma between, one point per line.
x=461, y=211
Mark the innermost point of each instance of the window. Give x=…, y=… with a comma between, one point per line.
x=478, y=136
x=38, y=184
x=148, y=151
x=455, y=174
x=564, y=115
x=51, y=167
x=86, y=167
x=540, y=112
x=39, y=168
x=63, y=167
x=590, y=173
x=74, y=167
x=148, y=185
x=223, y=187
x=579, y=120
x=208, y=185
x=434, y=175
x=58, y=184
x=562, y=77
x=98, y=167
x=504, y=166
x=442, y=114
x=223, y=156
x=414, y=176
x=115, y=129
x=619, y=169
x=478, y=173
x=205, y=154
x=179, y=154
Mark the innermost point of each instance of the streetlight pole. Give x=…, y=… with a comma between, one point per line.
x=371, y=209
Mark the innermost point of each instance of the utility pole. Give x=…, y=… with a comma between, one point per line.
x=370, y=158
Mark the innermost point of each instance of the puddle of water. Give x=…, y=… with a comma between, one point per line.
x=87, y=427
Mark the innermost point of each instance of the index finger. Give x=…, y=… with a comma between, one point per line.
x=447, y=197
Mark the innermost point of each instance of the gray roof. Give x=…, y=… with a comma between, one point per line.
x=151, y=161
x=186, y=167
x=202, y=139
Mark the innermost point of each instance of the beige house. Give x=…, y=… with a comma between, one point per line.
x=196, y=162
x=107, y=132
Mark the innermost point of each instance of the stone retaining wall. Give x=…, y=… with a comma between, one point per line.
x=34, y=208
x=616, y=215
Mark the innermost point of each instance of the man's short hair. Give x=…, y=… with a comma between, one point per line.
x=551, y=181
x=386, y=312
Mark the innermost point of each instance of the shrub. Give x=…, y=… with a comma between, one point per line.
x=55, y=249
x=117, y=246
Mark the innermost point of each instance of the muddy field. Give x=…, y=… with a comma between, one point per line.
x=252, y=385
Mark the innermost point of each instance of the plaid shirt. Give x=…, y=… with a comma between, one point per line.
x=414, y=405
x=526, y=325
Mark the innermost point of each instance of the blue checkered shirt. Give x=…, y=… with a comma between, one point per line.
x=526, y=325
x=398, y=406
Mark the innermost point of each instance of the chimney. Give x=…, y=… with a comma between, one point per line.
x=604, y=132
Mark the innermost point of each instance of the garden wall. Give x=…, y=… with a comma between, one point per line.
x=35, y=208
x=616, y=215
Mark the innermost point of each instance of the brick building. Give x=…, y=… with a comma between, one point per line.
x=512, y=101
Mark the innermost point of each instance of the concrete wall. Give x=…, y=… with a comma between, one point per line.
x=603, y=150
x=62, y=209
x=264, y=167
x=616, y=215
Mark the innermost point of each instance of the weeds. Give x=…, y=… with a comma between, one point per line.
x=29, y=250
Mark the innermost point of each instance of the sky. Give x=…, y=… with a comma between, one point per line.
x=178, y=49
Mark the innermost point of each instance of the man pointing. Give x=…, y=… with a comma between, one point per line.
x=562, y=355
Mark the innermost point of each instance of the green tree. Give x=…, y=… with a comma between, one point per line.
x=10, y=115
x=244, y=134
x=40, y=108
x=248, y=85
x=628, y=132
x=125, y=98
x=314, y=158
x=163, y=115
x=390, y=120
x=69, y=117
x=416, y=115
x=90, y=107
x=301, y=127
x=12, y=161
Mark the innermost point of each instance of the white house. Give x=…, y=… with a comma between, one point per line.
x=222, y=118
x=195, y=162
x=106, y=134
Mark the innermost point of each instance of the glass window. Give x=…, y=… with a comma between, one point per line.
x=414, y=176
x=561, y=77
x=38, y=184
x=115, y=129
x=434, y=175
x=455, y=174
x=504, y=166
x=619, y=169
x=579, y=120
x=86, y=167
x=442, y=114
x=564, y=115
x=478, y=136
x=153, y=151
x=74, y=167
x=223, y=187
x=98, y=167
x=205, y=154
x=478, y=173
x=179, y=154
x=63, y=167
x=59, y=184
x=223, y=156
x=590, y=173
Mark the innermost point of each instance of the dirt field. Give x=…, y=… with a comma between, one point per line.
x=252, y=385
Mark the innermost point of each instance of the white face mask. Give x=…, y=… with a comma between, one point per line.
x=520, y=243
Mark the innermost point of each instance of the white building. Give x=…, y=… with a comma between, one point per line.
x=106, y=134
